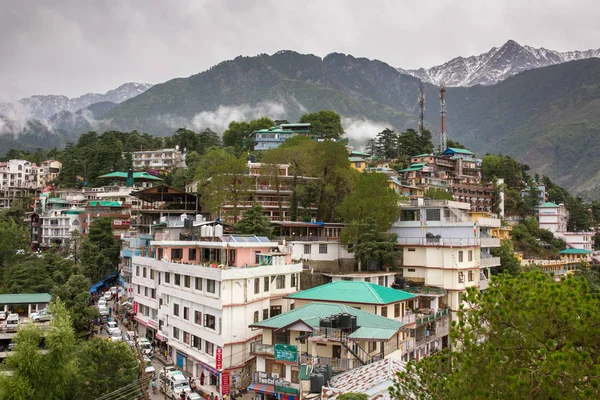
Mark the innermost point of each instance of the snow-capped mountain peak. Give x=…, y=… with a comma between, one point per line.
x=495, y=65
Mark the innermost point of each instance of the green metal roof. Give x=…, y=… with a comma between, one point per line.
x=548, y=204
x=25, y=298
x=574, y=251
x=366, y=333
x=360, y=153
x=312, y=313
x=104, y=204
x=136, y=175
x=460, y=151
x=353, y=292
x=411, y=169
x=58, y=201
x=356, y=159
x=424, y=155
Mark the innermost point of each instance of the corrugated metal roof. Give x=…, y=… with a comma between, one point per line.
x=548, y=204
x=353, y=292
x=311, y=313
x=456, y=150
x=104, y=204
x=574, y=251
x=304, y=374
x=367, y=332
x=25, y=298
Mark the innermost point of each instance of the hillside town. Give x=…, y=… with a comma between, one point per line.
x=241, y=283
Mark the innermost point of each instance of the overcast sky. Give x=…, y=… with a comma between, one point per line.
x=73, y=47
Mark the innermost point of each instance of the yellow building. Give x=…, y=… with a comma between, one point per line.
x=358, y=163
x=502, y=232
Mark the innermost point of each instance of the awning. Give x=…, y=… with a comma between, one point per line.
x=208, y=368
x=261, y=388
x=102, y=282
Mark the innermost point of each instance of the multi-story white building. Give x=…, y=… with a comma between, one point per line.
x=200, y=296
x=161, y=160
x=58, y=221
x=554, y=217
x=17, y=180
x=441, y=248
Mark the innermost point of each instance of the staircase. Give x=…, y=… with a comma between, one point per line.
x=337, y=335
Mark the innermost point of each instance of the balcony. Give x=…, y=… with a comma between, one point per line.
x=337, y=364
x=490, y=262
x=489, y=242
x=257, y=348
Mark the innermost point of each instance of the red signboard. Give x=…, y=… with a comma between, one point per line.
x=219, y=358
x=135, y=307
x=225, y=382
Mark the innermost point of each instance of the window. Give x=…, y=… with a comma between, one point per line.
x=323, y=248
x=257, y=258
x=187, y=281
x=280, y=282
x=160, y=253
x=411, y=270
x=372, y=346
x=380, y=281
x=138, y=289
x=266, y=284
x=307, y=249
x=275, y=310
x=256, y=285
x=167, y=277
x=396, y=310
x=294, y=281
x=384, y=311
x=151, y=273
x=412, y=249
x=137, y=270
x=186, y=337
x=211, y=287
x=281, y=337
x=186, y=313
x=255, y=316
x=470, y=255
x=460, y=256
x=209, y=321
x=176, y=310
x=198, y=284
x=209, y=348
x=461, y=277
x=295, y=376
x=176, y=254
x=153, y=293
x=368, y=279
x=192, y=254
x=144, y=272
x=266, y=313
x=433, y=214
x=146, y=291
x=196, y=342
x=175, y=333
x=198, y=317
x=178, y=279
x=471, y=276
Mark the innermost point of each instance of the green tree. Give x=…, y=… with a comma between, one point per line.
x=373, y=246
x=239, y=135
x=36, y=275
x=527, y=337
x=325, y=124
x=42, y=376
x=100, y=234
x=75, y=294
x=353, y=396
x=373, y=199
x=508, y=262
x=254, y=222
x=224, y=180
x=12, y=239
x=387, y=144
x=579, y=218
x=103, y=366
x=438, y=194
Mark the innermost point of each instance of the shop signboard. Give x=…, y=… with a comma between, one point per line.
x=135, y=307
x=286, y=352
x=225, y=382
x=219, y=358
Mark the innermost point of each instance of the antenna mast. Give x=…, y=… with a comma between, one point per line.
x=421, y=108
x=443, y=137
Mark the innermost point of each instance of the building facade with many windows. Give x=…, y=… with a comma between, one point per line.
x=200, y=297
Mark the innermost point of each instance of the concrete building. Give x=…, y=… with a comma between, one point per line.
x=199, y=296
x=47, y=172
x=555, y=217
x=265, y=139
x=442, y=248
x=17, y=181
x=58, y=220
x=159, y=160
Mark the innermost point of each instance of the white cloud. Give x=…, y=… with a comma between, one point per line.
x=359, y=131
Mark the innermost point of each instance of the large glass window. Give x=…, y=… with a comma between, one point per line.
x=176, y=309
x=209, y=321
x=211, y=286
x=433, y=214
x=280, y=282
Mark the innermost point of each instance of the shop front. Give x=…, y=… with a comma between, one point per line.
x=146, y=328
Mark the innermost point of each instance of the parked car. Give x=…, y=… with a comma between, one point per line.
x=102, y=302
x=2, y=315
x=41, y=316
x=108, y=295
x=112, y=328
x=114, y=290
x=193, y=396
x=117, y=337
x=103, y=311
x=12, y=322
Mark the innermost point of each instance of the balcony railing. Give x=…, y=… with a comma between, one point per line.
x=490, y=242
x=262, y=349
x=337, y=364
x=490, y=261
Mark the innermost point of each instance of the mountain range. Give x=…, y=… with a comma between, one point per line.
x=495, y=65
x=547, y=117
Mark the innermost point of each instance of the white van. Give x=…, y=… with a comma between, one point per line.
x=175, y=384
x=12, y=322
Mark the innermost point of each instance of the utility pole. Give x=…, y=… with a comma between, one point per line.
x=142, y=366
